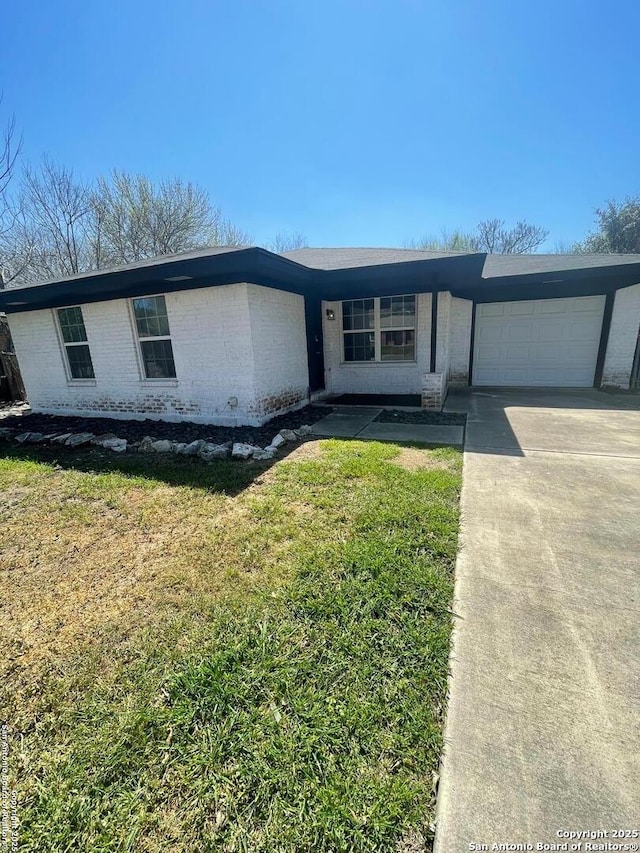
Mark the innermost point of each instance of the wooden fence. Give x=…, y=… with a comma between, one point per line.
x=10, y=372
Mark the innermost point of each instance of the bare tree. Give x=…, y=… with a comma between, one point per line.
x=285, y=242
x=490, y=236
x=9, y=150
x=10, y=146
x=64, y=225
x=495, y=238
x=140, y=219
x=53, y=230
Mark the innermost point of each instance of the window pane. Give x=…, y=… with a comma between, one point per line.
x=398, y=346
x=80, y=364
x=158, y=359
x=397, y=311
x=359, y=346
x=357, y=314
x=72, y=325
x=151, y=316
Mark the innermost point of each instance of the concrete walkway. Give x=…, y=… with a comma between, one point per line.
x=359, y=422
x=543, y=727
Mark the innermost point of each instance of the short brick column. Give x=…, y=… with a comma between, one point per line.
x=434, y=387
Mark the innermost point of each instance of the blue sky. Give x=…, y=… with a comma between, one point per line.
x=356, y=123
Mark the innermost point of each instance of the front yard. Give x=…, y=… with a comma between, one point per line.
x=229, y=656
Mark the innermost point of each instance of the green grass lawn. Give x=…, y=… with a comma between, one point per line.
x=227, y=657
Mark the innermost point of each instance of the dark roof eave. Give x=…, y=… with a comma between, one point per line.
x=253, y=265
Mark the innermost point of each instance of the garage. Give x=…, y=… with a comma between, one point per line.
x=544, y=342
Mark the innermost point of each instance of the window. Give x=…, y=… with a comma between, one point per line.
x=74, y=336
x=379, y=329
x=359, y=314
x=152, y=323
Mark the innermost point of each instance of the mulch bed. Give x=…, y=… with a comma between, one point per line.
x=394, y=416
x=183, y=431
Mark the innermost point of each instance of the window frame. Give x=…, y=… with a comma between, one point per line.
x=140, y=339
x=64, y=345
x=377, y=331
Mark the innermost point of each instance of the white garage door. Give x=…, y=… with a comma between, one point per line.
x=551, y=342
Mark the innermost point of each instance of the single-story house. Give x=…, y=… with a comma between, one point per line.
x=238, y=335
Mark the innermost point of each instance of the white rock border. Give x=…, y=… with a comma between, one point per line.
x=204, y=450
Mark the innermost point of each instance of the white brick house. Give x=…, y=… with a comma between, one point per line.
x=235, y=336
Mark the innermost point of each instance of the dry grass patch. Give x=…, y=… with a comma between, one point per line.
x=422, y=459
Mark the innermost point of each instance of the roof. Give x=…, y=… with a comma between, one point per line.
x=350, y=258
x=160, y=260
x=496, y=266
x=338, y=273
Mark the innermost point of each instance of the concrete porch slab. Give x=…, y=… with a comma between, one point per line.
x=346, y=422
x=422, y=433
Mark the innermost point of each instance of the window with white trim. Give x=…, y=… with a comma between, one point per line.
x=152, y=324
x=76, y=346
x=380, y=329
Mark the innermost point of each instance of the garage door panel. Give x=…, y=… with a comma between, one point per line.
x=550, y=329
x=493, y=309
x=550, y=342
x=552, y=306
x=519, y=309
x=541, y=352
x=586, y=331
x=594, y=304
x=516, y=330
x=517, y=352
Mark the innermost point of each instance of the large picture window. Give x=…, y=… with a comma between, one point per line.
x=152, y=324
x=381, y=329
x=74, y=337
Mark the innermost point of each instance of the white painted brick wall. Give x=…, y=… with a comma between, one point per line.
x=279, y=343
x=622, y=337
x=443, y=343
x=454, y=338
x=371, y=377
x=459, y=340
x=216, y=360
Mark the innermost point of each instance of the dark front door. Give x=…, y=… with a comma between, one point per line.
x=315, y=352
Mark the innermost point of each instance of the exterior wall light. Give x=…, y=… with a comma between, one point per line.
x=331, y=314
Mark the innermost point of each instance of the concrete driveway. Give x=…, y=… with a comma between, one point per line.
x=543, y=727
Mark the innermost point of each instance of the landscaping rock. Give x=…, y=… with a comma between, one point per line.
x=262, y=455
x=79, y=439
x=61, y=439
x=178, y=446
x=162, y=446
x=305, y=429
x=35, y=438
x=104, y=437
x=7, y=433
x=243, y=451
x=134, y=430
x=288, y=435
x=117, y=444
x=277, y=441
x=146, y=445
x=193, y=448
x=209, y=452
x=23, y=437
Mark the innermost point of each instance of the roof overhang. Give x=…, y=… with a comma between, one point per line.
x=460, y=274
x=591, y=281
x=254, y=266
